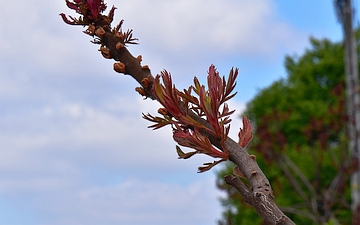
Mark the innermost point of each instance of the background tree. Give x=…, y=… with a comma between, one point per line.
x=300, y=136
x=344, y=12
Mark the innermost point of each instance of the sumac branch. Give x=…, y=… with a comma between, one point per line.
x=199, y=121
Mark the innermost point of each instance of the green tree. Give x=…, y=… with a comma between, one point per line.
x=300, y=141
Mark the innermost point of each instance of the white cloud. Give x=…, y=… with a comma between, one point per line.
x=34, y=38
x=195, y=27
x=130, y=202
x=112, y=135
x=185, y=36
x=54, y=155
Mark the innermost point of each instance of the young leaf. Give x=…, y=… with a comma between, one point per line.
x=245, y=134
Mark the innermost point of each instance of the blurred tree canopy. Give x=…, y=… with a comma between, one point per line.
x=300, y=141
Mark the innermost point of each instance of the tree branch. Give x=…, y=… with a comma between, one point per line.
x=262, y=196
x=300, y=212
x=113, y=41
x=305, y=181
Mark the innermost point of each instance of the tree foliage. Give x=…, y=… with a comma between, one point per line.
x=300, y=141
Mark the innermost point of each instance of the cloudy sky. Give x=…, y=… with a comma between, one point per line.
x=73, y=146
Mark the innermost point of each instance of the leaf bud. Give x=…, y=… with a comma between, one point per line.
x=141, y=91
x=105, y=52
x=119, y=45
x=139, y=58
x=100, y=32
x=90, y=30
x=119, y=67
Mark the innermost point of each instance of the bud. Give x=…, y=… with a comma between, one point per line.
x=100, y=32
x=119, y=45
x=119, y=67
x=139, y=58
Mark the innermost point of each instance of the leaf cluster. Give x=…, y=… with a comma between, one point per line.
x=184, y=110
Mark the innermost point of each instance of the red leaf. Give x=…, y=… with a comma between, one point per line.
x=73, y=5
x=208, y=166
x=245, y=134
x=96, y=7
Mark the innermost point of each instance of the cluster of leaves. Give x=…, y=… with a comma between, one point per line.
x=90, y=11
x=184, y=112
x=90, y=15
x=300, y=138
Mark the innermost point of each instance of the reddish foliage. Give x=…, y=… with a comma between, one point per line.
x=89, y=9
x=245, y=134
x=271, y=141
x=209, y=104
x=324, y=128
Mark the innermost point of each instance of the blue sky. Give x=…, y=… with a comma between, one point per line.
x=73, y=146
